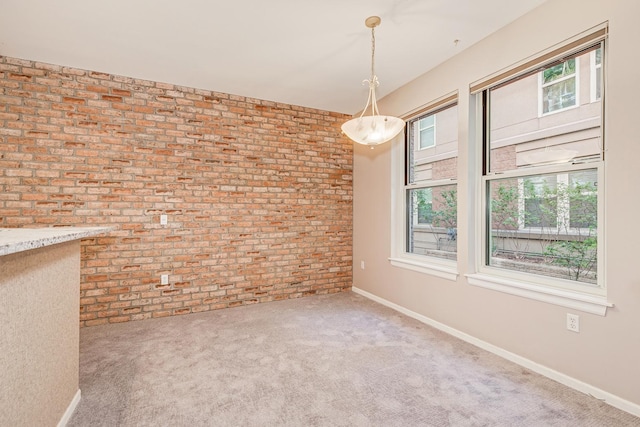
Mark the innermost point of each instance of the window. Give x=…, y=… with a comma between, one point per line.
x=542, y=177
x=559, y=87
x=540, y=207
x=559, y=201
x=431, y=192
x=596, y=74
x=425, y=213
x=426, y=132
x=583, y=196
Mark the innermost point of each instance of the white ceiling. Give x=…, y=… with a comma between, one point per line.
x=313, y=53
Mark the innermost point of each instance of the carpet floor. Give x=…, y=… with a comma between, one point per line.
x=334, y=360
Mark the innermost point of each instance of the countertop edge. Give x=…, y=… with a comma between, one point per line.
x=25, y=239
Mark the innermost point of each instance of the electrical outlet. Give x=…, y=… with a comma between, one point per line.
x=163, y=219
x=164, y=279
x=573, y=322
x=361, y=265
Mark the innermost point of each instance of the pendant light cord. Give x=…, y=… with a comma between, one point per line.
x=373, y=81
x=373, y=51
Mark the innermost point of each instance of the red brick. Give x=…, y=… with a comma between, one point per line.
x=258, y=194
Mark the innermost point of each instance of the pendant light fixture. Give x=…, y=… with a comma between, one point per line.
x=372, y=129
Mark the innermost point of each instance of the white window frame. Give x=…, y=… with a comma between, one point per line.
x=399, y=257
x=542, y=85
x=560, y=292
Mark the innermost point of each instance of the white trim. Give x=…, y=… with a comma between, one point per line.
x=434, y=105
x=70, y=409
x=594, y=304
x=397, y=207
x=442, y=271
x=571, y=382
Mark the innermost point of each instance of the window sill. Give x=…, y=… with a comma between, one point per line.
x=594, y=304
x=442, y=271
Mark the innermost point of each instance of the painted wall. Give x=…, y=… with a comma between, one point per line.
x=258, y=195
x=39, y=335
x=606, y=352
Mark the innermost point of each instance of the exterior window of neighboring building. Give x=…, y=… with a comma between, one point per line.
x=431, y=190
x=427, y=132
x=542, y=176
x=596, y=74
x=559, y=87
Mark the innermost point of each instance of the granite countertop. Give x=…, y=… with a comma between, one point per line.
x=14, y=240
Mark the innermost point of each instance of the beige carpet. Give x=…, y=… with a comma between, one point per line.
x=337, y=360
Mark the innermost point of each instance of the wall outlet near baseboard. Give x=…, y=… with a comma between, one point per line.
x=164, y=279
x=361, y=265
x=573, y=322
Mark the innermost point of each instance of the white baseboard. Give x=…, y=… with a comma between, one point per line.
x=599, y=394
x=70, y=410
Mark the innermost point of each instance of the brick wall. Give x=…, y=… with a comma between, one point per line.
x=258, y=194
x=445, y=169
x=503, y=158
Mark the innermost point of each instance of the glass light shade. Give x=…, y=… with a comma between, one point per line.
x=373, y=130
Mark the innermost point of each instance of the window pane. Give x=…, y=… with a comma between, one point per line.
x=542, y=205
x=559, y=95
x=598, y=56
x=427, y=137
x=432, y=221
x=583, y=211
x=520, y=137
x=540, y=212
x=423, y=203
x=427, y=121
x=433, y=146
x=558, y=71
x=540, y=202
x=545, y=224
